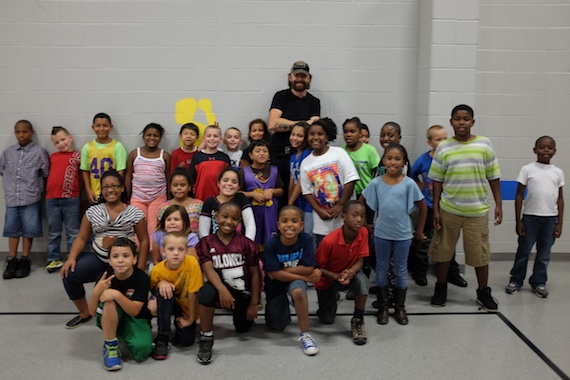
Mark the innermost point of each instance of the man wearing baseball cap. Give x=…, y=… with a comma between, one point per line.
x=288, y=107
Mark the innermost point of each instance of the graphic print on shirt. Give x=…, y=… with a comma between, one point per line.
x=230, y=265
x=327, y=185
x=290, y=260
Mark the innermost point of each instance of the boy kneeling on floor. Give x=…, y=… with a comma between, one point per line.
x=119, y=303
x=340, y=257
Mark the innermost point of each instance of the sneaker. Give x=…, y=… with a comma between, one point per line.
x=54, y=266
x=349, y=296
x=487, y=302
x=308, y=343
x=358, y=332
x=512, y=288
x=24, y=267
x=111, y=355
x=457, y=280
x=10, y=268
x=161, y=348
x=77, y=321
x=205, y=349
x=440, y=295
x=540, y=291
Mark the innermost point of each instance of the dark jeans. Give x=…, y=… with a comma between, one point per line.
x=87, y=269
x=539, y=230
x=418, y=259
x=167, y=307
x=328, y=298
x=210, y=297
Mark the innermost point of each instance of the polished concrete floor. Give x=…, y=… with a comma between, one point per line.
x=528, y=339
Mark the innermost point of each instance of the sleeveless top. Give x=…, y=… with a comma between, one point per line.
x=149, y=177
x=265, y=214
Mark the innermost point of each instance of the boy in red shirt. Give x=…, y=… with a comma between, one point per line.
x=340, y=257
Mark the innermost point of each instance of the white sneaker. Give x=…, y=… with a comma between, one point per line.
x=308, y=343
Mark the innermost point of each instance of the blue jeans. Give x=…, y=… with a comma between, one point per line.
x=539, y=230
x=277, y=312
x=399, y=250
x=60, y=212
x=23, y=221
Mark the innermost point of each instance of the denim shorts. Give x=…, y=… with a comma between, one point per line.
x=23, y=221
x=277, y=312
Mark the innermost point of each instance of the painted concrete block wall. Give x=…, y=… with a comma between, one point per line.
x=523, y=90
x=64, y=61
x=403, y=60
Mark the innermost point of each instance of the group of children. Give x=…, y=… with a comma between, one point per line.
x=209, y=222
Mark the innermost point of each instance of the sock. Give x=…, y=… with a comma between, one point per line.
x=359, y=313
x=207, y=333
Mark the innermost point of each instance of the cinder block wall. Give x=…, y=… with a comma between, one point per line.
x=408, y=61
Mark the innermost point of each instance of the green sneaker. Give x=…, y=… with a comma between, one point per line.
x=54, y=266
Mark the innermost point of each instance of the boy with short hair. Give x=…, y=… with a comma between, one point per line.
x=340, y=257
x=232, y=141
x=418, y=259
x=289, y=265
x=207, y=164
x=230, y=262
x=24, y=167
x=99, y=155
x=461, y=167
x=119, y=303
x=175, y=281
x=542, y=216
x=63, y=191
x=182, y=156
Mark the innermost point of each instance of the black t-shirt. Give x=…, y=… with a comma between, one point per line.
x=135, y=288
x=293, y=108
x=211, y=205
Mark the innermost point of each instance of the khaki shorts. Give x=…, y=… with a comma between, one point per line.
x=475, y=239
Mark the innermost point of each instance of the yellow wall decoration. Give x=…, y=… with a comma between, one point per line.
x=186, y=110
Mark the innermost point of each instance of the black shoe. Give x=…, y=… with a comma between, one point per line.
x=487, y=302
x=349, y=296
x=440, y=296
x=420, y=279
x=457, y=280
x=10, y=268
x=161, y=347
x=205, y=349
x=24, y=267
x=77, y=321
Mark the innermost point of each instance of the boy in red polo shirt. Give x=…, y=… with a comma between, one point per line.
x=340, y=257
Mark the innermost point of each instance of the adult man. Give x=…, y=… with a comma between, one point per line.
x=287, y=108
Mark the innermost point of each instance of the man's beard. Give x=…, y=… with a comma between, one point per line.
x=299, y=86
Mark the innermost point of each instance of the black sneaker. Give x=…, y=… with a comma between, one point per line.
x=440, y=295
x=77, y=321
x=10, y=268
x=205, y=349
x=161, y=348
x=487, y=302
x=24, y=267
x=457, y=280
